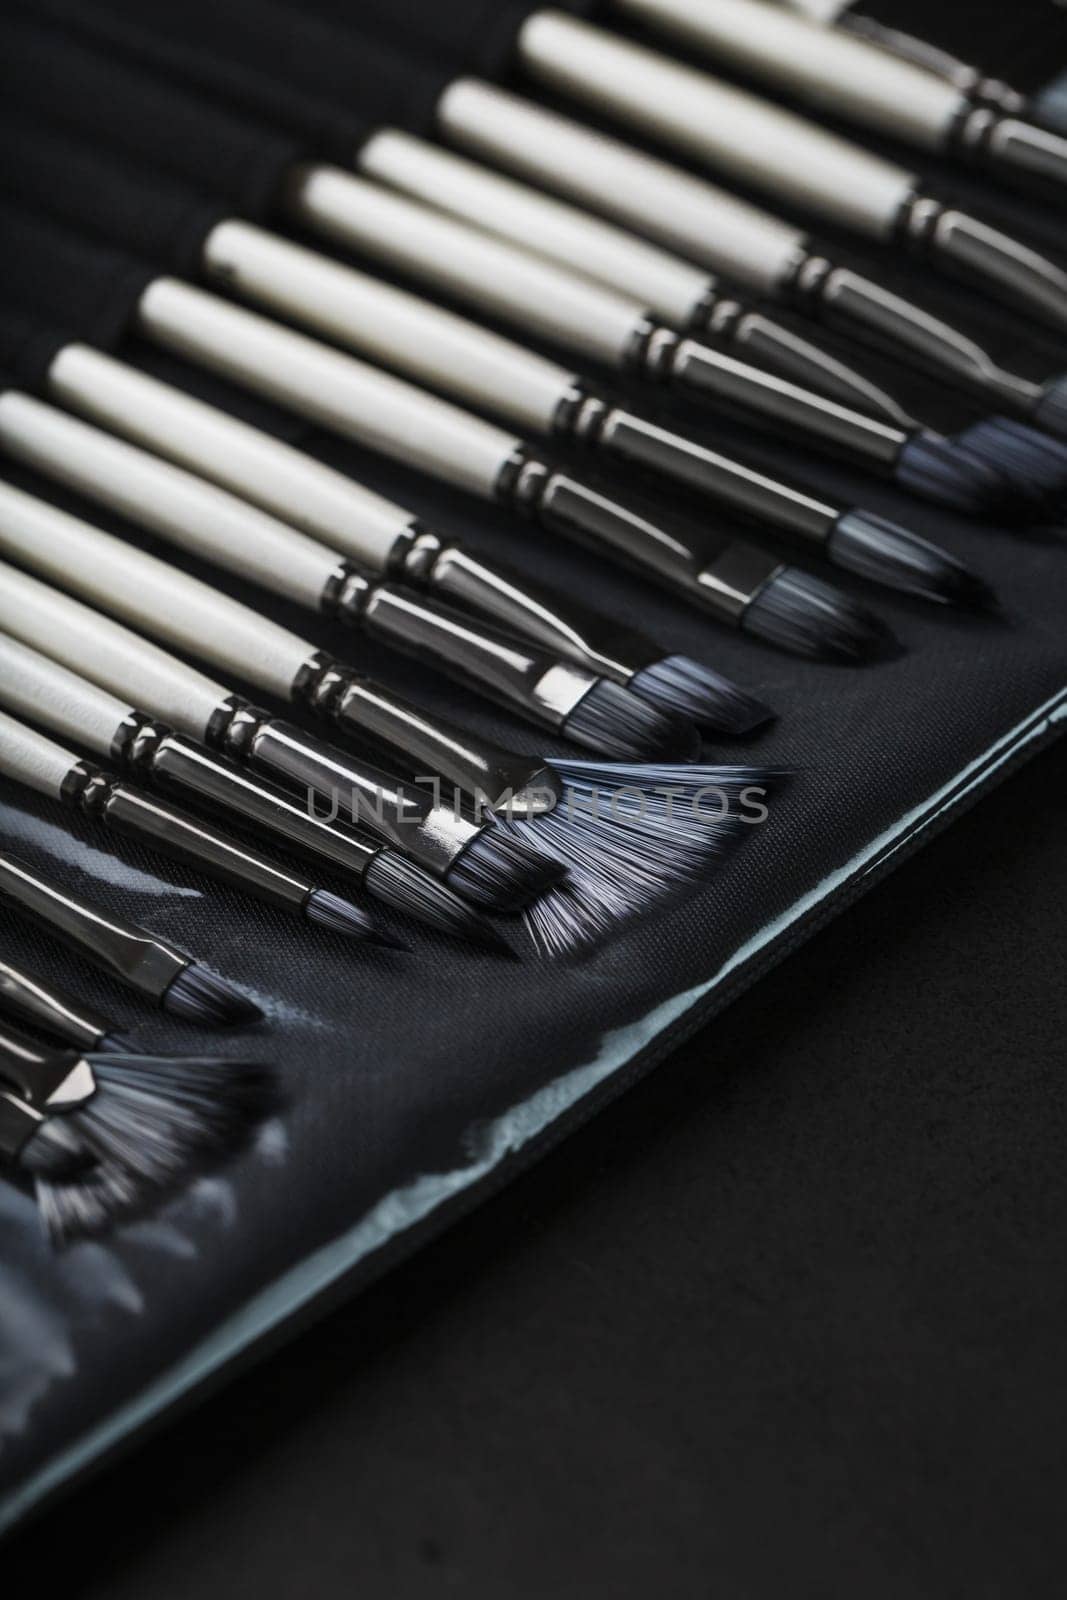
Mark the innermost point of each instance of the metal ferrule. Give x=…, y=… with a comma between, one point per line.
x=531, y=681
x=732, y=385
x=182, y=837
x=857, y=305
x=36, y=1084
x=724, y=580
x=56, y=1013
x=983, y=255
x=128, y=952
x=588, y=637
x=1010, y=147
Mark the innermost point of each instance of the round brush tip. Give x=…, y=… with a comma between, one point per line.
x=948, y=473
x=880, y=551
x=337, y=915
x=612, y=721
x=688, y=689
x=197, y=995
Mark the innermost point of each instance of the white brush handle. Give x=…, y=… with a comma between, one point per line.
x=327, y=386
x=29, y=758
x=149, y=594
x=827, y=68
x=38, y=689
x=666, y=285
x=96, y=647
x=750, y=140
x=683, y=212
x=402, y=331
x=501, y=280
x=302, y=491
x=196, y=516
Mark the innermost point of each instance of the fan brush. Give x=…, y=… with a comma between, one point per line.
x=107, y=1136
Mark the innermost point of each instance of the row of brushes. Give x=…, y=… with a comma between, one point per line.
x=102, y=1129
x=268, y=85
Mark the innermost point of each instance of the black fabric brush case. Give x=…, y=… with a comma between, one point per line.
x=415, y=1086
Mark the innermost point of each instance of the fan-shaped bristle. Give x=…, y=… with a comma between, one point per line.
x=200, y=996
x=88, y=1207
x=1050, y=413
x=614, y=722
x=337, y=915
x=947, y=473
x=152, y=1125
x=878, y=550
x=500, y=873
x=631, y=838
x=801, y=614
x=409, y=889
x=690, y=689
x=1034, y=462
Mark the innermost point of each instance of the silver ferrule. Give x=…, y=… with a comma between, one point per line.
x=728, y=585
x=1011, y=148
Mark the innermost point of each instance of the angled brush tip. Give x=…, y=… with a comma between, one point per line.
x=613, y=722
x=337, y=915
x=689, y=689
x=879, y=550
x=801, y=614
x=500, y=873
x=197, y=995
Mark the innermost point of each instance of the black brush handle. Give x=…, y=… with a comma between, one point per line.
x=39, y=1074
x=121, y=948
x=53, y=1010
x=183, y=837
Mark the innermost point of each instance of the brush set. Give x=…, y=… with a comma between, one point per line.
x=332, y=218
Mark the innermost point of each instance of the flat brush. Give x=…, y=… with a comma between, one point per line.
x=144, y=961
x=850, y=77
x=701, y=222
x=674, y=825
x=107, y=1137
x=437, y=839
x=765, y=147
x=40, y=764
x=741, y=584
x=39, y=690
x=567, y=699
x=54, y=1011
x=1047, y=107
x=384, y=537
x=736, y=582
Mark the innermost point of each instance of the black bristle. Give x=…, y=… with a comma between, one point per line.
x=883, y=553
x=614, y=722
x=410, y=889
x=947, y=473
x=200, y=996
x=1050, y=413
x=689, y=689
x=1034, y=462
x=116, y=1044
x=801, y=614
x=153, y=1123
x=631, y=838
x=499, y=873
x=337, y=915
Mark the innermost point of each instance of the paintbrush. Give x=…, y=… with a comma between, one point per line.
x=144, y=961
x=474, y=367
x=50, y=769
x=1047, y=107
x=849, y=77
x=33, y=999
x=741, y=584
x=565, y=698
x=283, y=73
x=384, y=537
x=108, y=1136
x=628, y=836
x=699, y=220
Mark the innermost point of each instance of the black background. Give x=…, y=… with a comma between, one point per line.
x=787, y=1319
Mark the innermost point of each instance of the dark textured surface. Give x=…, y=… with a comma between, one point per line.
x=788, y=1319
x=825, y=1226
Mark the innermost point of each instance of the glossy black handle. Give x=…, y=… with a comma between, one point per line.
x=51, y=1009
